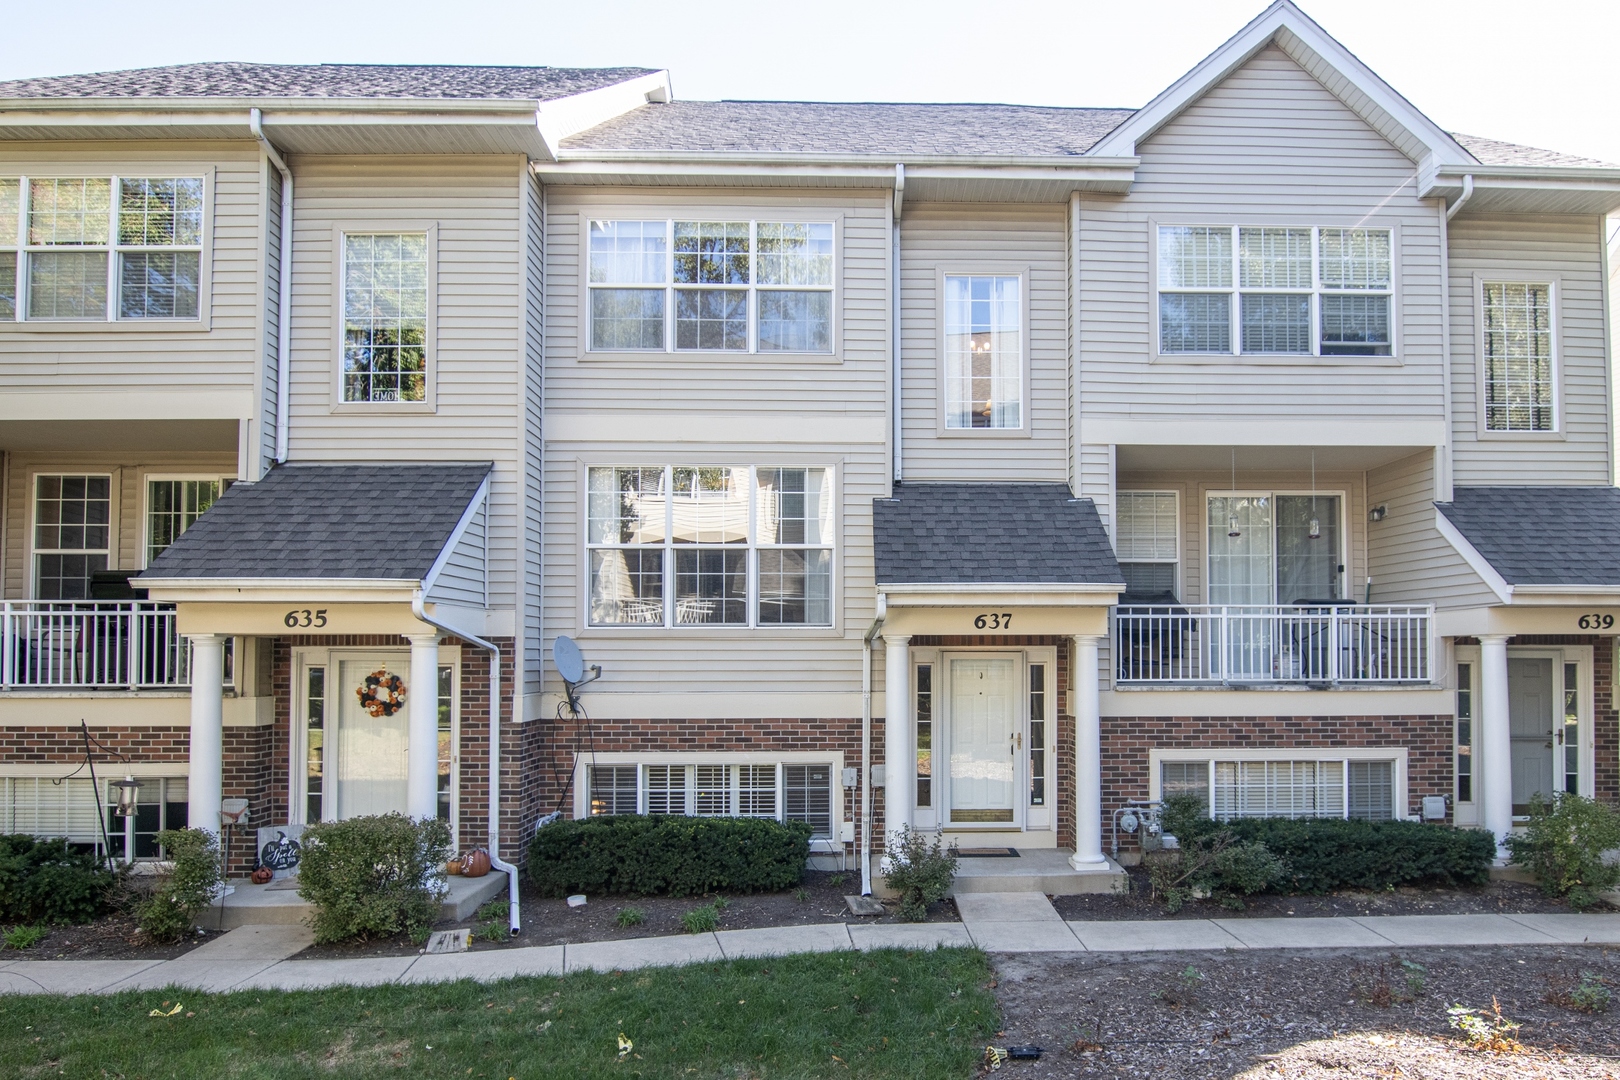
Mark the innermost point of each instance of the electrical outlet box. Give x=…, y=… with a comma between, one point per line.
x=852, y=776
x=877, y=776
x=1434, y=808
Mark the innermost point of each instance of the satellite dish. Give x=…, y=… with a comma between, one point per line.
x=570, y=662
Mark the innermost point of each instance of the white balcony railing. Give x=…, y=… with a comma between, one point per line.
x=91, y=645
x=1194, y=644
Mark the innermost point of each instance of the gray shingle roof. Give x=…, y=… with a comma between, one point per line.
x=990, y=534
x=844, y=128
x=327, y=521
x=1495, y=152
x=325, y=81
x=1542, y=535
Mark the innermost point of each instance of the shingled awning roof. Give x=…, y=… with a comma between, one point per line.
x=1003, y=534
x=1542, y=536
x=326, y=522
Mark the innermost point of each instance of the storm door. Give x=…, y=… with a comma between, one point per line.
x=985, y=740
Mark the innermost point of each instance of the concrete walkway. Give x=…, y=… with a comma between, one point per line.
x=256, y=960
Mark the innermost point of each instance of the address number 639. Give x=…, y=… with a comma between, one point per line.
x=1596, y=622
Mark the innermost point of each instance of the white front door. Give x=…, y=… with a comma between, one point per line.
x=985, y=736
x=370, y=751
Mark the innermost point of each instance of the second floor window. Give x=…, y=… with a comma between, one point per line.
x=100, y=248
x=1264, y=290
x=72, y=534
x=984, y=351
x=172, y=507
x=711, y=286
x=1518, y=356
x=1148, y=543
x=385, y=316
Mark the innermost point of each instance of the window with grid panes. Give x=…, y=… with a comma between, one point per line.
x=385, y=316
x=1037, y=734
x=984, y=351
x=1465, y=732
x=925, y=735
x=1148, y=543
x=710, y=286
x=612, y=789
x=1518, y=347
x=10, y=231
x=1275, y=290
x=172, y=507
x=160, y=803
x=72, y=534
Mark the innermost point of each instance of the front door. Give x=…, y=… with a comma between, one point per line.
x=370, y=750
x=1530, y=724
x=985, y=737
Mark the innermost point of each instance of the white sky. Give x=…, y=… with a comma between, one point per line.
x=1542, y=73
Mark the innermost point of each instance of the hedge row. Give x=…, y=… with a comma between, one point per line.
x=47, y=881
x=632, y=854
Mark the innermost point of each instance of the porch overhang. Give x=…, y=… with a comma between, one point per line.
x=999, y=610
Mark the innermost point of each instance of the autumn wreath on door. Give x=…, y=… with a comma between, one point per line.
x=382, y=693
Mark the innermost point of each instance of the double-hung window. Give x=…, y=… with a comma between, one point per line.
x=984, y=351
x=1148, y=541
x=173, y=506
x=100, y=248
x=385, y=317
x=726, y=545
x=1517, y=340
x=1275, y=290
x=711, y=286
x=72, y=534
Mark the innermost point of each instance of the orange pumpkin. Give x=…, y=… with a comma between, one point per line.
x=475, y=863
x=453, y=867
x=261, y=875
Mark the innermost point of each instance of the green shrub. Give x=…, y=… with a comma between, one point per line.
x=920, y=872
x=47, y=881
x=1336, y=853
x=1217, y=865
x=700, y=920
x=374, y=876
x=23, y=937
x=634, y=855
x=1563, y=846
x=185, y=891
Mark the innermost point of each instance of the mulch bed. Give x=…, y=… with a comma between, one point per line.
x=1494, y=898
x=113, y=937
x=548, y=921
x=1337, y=1014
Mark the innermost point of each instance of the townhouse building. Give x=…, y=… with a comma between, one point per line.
x=974, y=468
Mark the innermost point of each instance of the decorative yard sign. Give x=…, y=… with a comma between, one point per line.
x=279, y=849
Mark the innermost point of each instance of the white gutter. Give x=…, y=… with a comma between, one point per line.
x=866, y=745
x=495, y=859
x=1467, y=193
x=283, y=285
x=894, y=313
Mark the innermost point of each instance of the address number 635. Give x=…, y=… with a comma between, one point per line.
x=299, y=617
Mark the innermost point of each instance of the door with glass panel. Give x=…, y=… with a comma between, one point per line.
x=369, y=749
x=985, y=739
x=1546, y=711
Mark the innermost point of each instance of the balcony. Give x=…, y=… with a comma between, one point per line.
x=1273, y=645
x=91, y=645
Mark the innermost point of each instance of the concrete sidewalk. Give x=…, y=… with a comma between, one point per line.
x=251, y=962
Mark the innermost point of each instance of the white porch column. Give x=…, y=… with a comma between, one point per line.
x=207, y=730
x=422, y=748
x=1088, y=853
x=898, y=770
x=1495, y=743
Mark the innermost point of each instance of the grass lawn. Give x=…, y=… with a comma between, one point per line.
x=879, y=1014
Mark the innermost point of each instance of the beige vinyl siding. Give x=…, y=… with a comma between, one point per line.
x=461, y=580
x=181, y=358
x=1410, y=562
x=271, y=318
x=128, y=474
x=970, y=239
x=733, y=410
x=474, y=204
x=1568, y=251
x=1268, y=146
x=534, y=328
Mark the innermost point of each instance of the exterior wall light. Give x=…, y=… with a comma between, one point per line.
x=1377, y=513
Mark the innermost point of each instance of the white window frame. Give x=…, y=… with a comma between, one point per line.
x=1179, y=561
x=222, y=479
x=340, y=235
x=1341, y=494
x=753, y=288
x=111, y=550
x=1465, y=811
x=23, y=251
x=754, y=546
x=1554, y=284
x=1236, y=291
x=1022, y=271
x=1396, y=755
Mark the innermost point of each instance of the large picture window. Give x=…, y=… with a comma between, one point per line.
x=100, y=248
x=385, y=317
x=709, y=546
x=711, y=286
x=1518, y=354
x=785, y=791
x=1275, y=290
x=1286, y=785
x=984, y=351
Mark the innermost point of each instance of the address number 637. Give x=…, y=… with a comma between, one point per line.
x=995, y=620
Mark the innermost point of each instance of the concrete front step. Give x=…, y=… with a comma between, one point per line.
x=1037, y=870
x=266, y=904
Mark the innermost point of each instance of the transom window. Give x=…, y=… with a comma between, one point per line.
x=984, y=351
x=1518, y=350
x=710, y=546
x=1275, y=290
x=100, y=248
x=72, y=534
x=1148, y=542
x=385, y=314
x=711, y=286
x=173, y=506
x=1305, y=788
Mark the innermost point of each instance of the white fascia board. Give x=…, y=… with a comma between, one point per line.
x=1240, y=48
x=360, y=590
x=1573, y=591
x=1110, y=174
x=1556, y=183
x=1477, y=562
x=478, y=502
x=1031, y=594
x=561, y=117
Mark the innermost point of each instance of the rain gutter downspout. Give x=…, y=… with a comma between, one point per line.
x=495, y=859
x=894, y=311
x=283, y=284
x=866, y=743
x=1467, y=193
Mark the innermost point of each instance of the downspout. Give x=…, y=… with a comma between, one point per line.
x=1467, y=193
x=283, y=284
x=894, y=311
x=866, y=743
x=495, y=859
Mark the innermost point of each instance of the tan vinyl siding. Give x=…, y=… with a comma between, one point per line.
x=1565, y=250
x=271, y=318
x=976, y=238
x=1268, y=146
x=1410, y=562
x=461, y=581
x=533, y=625
x=475, y=206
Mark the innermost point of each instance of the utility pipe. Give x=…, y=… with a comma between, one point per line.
x=495, y=859
x=866, y=743
x=1467, y=193
x=283, y=284
x=894, y=314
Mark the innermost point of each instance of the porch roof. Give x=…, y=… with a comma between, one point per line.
x=1003, y=534
x=1548, y=536
x=326, y=522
